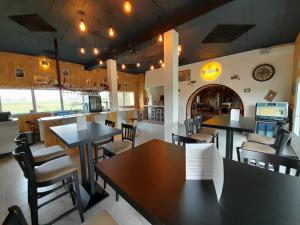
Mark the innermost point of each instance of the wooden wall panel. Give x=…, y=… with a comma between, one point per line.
x=25, y=120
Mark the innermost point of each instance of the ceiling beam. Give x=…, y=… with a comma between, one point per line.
x=153, y=30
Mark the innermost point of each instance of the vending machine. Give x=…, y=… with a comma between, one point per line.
x=269, y=115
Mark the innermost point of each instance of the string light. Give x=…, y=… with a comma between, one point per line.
x=82, y=50
x=127, y=7
x=138, y=65
x=160, y=38
x=123, y=67
x=82, y=26
x=111, y=32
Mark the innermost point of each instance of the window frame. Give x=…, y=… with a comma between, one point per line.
x=296, y=116
x=123, y=97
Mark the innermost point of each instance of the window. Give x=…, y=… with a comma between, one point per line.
x=16, y=101
x=296, y=127
x=126, y=98
x=47, y=100
x=105, y=100
x=72, y=100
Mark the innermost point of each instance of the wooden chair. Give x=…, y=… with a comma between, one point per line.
x=42, y=155
x=191, y=132
x=15, y=216
x=268, y=161
x=283, y=136
x=206, y=130
x=181, y=140
x=98, y=145
x=113, y=148
x=57, y=171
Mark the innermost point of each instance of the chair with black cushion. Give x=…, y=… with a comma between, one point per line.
x=181, y=140
x=98, y=145
x=42, y=155
x=15, y=216
x=268, y=161
x=55, y=175
x=283, y=136
x=191, y=132
x=117, y=147
x=206, y=130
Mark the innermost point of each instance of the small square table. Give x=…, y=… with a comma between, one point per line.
x=245, y=124
x=72, y=138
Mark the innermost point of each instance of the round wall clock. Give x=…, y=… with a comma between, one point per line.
x=263, y=72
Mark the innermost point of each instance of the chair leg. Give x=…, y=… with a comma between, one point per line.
x=78, y=198
x=29, y=193
x=117, y=196
x=217, y=140
x=238, y=153
x=96, y=155
x=70, y=187
x=104, y=185
x=34, y=207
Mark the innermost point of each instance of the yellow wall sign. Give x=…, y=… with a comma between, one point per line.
x=211, y=71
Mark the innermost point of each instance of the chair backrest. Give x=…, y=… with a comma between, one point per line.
x=128, y=133
x=15, y=217
x=198, y=122
x=110, y=123
x=189, y=126
x=264, y=160
x=181, y=140
x=25, y=161
x=282, y=138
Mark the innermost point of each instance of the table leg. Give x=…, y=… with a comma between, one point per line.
x=229, y=144
x=91, y=168
x=83, y=164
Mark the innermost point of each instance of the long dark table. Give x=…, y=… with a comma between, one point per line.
x=151, y=178
x=246, y=124
x=71, y=137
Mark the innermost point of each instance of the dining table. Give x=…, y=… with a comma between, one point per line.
x=91, y=192
x=151, y=178
x=223, y=122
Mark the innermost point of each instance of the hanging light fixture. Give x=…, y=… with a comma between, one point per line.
x=163, y=65
x=100, y=62
x=123, y=66
x=152, y=67
x=179, y=49
x=111, y=31
x=160, y=61
x=138, y=65
x=82, y=25
x=127, y=7
x=82, y=50
x=96, y=50
x=160, y=38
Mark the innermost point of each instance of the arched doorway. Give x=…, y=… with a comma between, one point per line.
x=211, y=100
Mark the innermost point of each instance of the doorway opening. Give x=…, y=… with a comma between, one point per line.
x=213, y=99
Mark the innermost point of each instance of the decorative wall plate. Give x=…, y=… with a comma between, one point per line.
x=263, y=72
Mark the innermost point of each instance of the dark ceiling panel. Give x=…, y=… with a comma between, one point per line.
x=33, y=22
x=225, y=33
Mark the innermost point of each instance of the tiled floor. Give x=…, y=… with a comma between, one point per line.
x=13, y=186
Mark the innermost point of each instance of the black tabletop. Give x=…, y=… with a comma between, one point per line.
x=72, y=137
x=246, y=124
x=152, y=179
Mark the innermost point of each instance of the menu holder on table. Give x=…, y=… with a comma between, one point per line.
x=235, y=114
x=81, y=123
x=204, y=162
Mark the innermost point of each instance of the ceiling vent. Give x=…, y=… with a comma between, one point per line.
x=226, y=33
x=33, y=22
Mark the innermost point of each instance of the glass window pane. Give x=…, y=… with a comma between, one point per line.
x=47, y=100
x=120, y=99
x=105, y=100
x=72, y=101
x=16, y=101
x=128, y=98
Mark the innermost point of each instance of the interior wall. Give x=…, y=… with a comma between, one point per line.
x=156, y=92
x=242, y=64
x=77, y=77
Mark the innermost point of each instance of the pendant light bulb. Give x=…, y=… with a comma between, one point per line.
x=127, y=7
x=160, y=61
x=111, y=32
x=82, y=26
x=163, y=65
x=138, y=65
x=152, y=67
x=96, y=51
x=100, y=62
x=82, y=50
x=160, y=38
x=123, y=67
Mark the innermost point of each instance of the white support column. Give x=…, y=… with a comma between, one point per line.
x=171, y=40
x=113, y=84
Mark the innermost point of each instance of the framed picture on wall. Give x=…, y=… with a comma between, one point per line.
x=184, y=75
x=20, y=73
